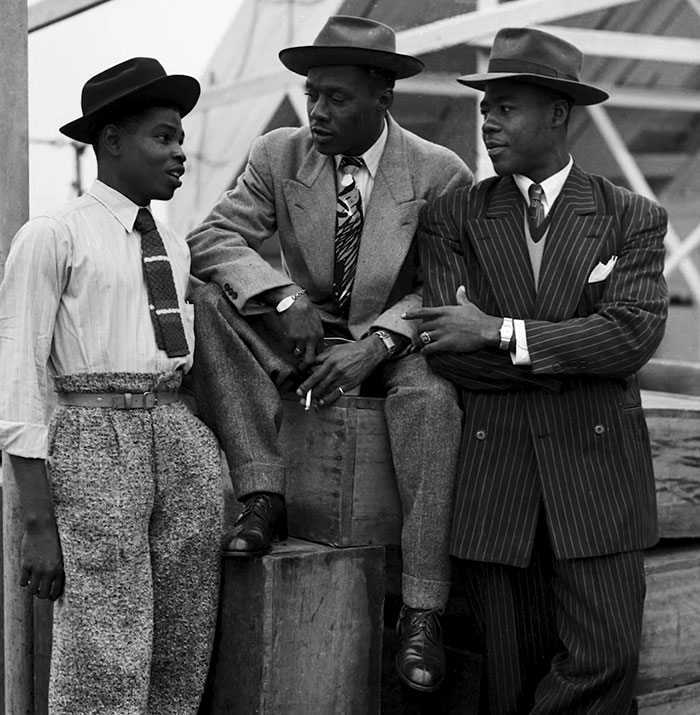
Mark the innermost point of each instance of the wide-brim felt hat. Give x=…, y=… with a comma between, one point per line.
x=346, y=40
x=536, y=57
x=135, y=82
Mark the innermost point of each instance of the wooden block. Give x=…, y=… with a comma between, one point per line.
x=671, y=633
x=300, y=632
x=674, y=430
x=341, y=488
x=676, y=701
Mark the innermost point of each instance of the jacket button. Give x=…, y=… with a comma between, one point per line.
x=230, y=291
x=599, y=429
x=480, y=434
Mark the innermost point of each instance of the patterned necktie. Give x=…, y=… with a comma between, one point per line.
x=348, y=229
x=165, y=309
x=535, y=214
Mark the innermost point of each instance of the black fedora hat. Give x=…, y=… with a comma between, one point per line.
x=140, y=80
x=536, y=57
x=346, y=40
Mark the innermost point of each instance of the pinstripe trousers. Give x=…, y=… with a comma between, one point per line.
x=138, y=503
x=560, y=637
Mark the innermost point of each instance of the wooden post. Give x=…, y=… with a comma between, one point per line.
x=14, y=209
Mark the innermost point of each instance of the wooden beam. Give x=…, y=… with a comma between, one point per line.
x=14, y=199
x=465, y=28
x=48, y=12
x=621, y=45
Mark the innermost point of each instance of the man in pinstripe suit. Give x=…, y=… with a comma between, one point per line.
x=541, y=304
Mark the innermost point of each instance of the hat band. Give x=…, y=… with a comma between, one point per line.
x=524, y=67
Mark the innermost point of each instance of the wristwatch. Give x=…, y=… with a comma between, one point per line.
x=388, y=341
x=287, y=302
x=506, y=334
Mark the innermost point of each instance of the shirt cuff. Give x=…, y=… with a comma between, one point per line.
x=521, y=356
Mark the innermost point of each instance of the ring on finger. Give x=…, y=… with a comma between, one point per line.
x=425, y=337
x=341, y=391
x=298, y=351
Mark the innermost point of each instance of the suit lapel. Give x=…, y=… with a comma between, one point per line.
x=311, y=199
x=390, y=222
x=572, y=248
x=499, y=240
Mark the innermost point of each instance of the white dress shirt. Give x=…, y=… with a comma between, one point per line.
x=551, y=188
x=364, y=177
x=73, y=300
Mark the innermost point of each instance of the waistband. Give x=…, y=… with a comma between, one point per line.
x=119, y=401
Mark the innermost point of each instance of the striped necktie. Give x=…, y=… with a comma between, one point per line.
x=164, y=306
x=348, y=229
x=535, y=214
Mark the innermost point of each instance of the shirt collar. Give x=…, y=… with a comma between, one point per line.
x=121, y=207
x=372, y=156
x=551, y=186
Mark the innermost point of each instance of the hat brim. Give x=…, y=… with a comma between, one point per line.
x=580, y=93
x=179, y=90
x=302, y=59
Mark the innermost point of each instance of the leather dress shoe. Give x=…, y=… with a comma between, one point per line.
x=420, y=661
x=264, y=518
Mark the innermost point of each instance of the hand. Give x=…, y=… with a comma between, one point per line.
x=461, y=328
x=42, y=560
x=345, y=366
x=301, y=330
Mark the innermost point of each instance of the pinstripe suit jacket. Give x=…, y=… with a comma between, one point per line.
x=567, y=431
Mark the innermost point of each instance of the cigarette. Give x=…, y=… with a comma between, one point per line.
x=307, y=403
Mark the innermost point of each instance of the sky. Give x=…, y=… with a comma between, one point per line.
x=181, y=34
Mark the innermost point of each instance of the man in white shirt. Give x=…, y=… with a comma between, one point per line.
x=343, y=195
x=121, y=490
x=544, y=295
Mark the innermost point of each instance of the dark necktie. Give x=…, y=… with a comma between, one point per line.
x=165, y=309
x=535, y=214
x=348, y=229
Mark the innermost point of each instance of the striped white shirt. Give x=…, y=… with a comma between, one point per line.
x=73, y=299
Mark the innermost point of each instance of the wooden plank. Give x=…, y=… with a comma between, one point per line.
x=676, y=701
x=671, y=633
x=300, y=632
x=48, y=12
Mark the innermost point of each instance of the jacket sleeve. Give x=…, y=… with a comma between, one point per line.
x=627, y=323
x=225, y=246
x=446, y=268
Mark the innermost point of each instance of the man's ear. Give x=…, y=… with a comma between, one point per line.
x=560, y=112
x=385, y=99
x=110, y=139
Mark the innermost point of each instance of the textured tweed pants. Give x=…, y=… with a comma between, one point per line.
x=138, y=502
x=238, y=373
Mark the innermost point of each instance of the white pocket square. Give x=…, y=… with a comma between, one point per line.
x=602, y=270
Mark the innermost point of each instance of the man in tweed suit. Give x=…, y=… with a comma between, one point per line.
x=261, y=329
x=544, y=295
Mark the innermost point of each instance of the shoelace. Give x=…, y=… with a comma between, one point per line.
x=255, y=506
x=426, y=623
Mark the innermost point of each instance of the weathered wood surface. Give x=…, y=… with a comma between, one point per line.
x=684, y=700
x=671, y=635
x=674, y=430
x=300, y=632
x=341, y=488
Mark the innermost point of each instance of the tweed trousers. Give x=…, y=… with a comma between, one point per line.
x=559, y=636
x=138, y=503
x=239, y=371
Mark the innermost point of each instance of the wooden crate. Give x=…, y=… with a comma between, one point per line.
x=671, y=637
x=674, y=430
x=300, y=633
x=341, y=488
x=676, y=701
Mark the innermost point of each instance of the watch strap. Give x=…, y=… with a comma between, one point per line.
x=288, y=302
x=506, y=334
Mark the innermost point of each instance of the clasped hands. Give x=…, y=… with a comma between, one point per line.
x=458, y=328
x=331, y=370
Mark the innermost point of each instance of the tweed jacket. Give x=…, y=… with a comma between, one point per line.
x=288, y=188
x=566, y=433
